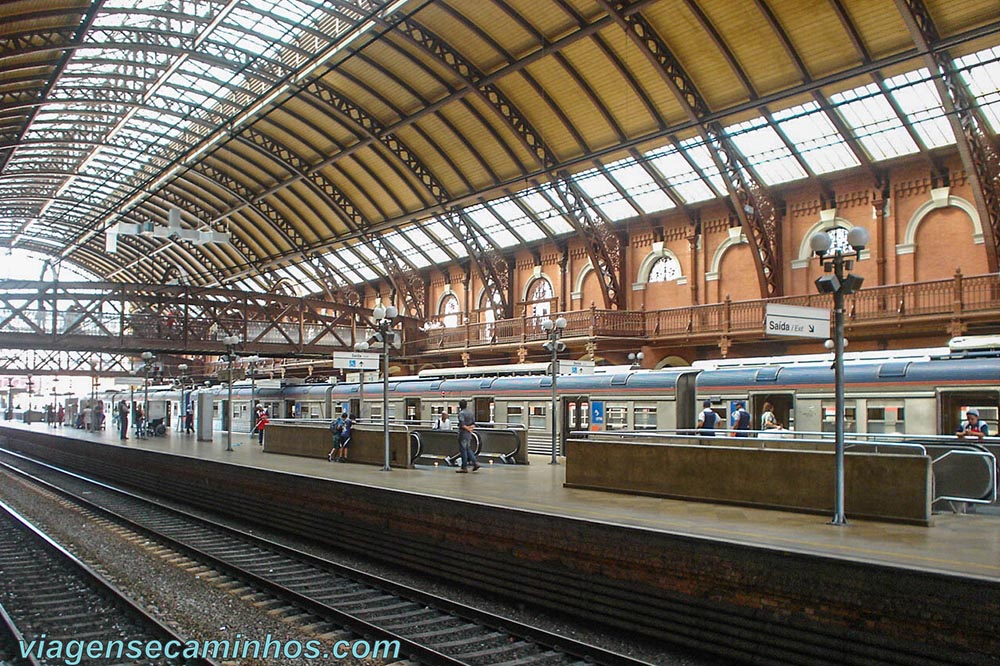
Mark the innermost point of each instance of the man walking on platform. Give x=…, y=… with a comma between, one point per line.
x=466, y=426
x=122, y=420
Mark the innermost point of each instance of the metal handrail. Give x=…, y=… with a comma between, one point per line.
x=993, y=476
x=688, y=434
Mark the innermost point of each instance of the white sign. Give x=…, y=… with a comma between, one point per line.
x=576, y=367
x=354, y=360
x=797, y=322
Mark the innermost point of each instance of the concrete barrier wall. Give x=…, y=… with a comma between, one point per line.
x=879, y=486
x=494, y=442
x=367, y=443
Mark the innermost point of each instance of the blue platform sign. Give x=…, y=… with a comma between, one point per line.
x=597, y=413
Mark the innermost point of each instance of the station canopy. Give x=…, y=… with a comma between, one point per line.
x=322, y=134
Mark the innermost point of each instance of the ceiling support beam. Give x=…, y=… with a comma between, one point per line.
x=757, y=211
x=978, y=151
x=603, y=246
x=489, y=263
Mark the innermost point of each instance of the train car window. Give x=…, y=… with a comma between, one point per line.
x=830, y=416
x=536, y=416
x=886, y=418
x=375, y=412
x=616, y=417
x=645, y=417
x=515, y=414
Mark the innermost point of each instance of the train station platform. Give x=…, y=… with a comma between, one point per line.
x=964, y=545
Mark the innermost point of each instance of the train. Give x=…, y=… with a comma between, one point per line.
x=909, y=393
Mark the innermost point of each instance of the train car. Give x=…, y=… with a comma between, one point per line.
x=633, y=400
x=894, y=396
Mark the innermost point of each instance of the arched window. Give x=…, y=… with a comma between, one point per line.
x=540, y=295
x=664, y=270
x=487, y=316
x=448, y=311
x=838, y=241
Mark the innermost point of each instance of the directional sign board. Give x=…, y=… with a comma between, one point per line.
x=354, y=360
x=797, y=322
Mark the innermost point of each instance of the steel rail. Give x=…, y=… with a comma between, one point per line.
x=583, y=652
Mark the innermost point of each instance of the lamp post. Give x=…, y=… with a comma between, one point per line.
x=361, y=347
x=384, y=317
x=635, y=359
x=554, y=330
x=835, y=281
x=231, y=341
x=147, y=358
x=94, y=362
x=182, y=369
x=252, y=361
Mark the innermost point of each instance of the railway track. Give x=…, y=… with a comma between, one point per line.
x=50, y=599
x=429, y=629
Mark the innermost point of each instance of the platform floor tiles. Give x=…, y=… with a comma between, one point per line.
x=958, y=544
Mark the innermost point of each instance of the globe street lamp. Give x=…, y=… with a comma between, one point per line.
x=839, y=283
x=384, y=317
x=147, y=357
x=554, y=330
x=231, y=341
x=361, y=347
x=635, y=359
x=251, y=368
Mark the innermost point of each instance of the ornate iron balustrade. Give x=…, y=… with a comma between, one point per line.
x=942, y=306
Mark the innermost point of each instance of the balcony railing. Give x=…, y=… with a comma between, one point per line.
x=957, y=299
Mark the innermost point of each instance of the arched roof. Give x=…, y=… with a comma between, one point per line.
x=333, y=138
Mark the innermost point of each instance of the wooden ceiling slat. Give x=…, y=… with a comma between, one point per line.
x=817, y=35
x=611, y=88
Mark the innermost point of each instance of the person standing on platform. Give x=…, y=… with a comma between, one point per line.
x=443, y=422
x=336, y=429
x=741, y=420
x=122, y=420
x=767, y=420
x=973, y=426
x=261, y=424
x=189, y=421
x=48, y=415
x=60, y=416
x=707, y=420
x=466, y=426
x=344, y=441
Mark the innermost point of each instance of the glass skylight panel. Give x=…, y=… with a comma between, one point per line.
x=981, y=72
x=917, y=97
x=516, y=218
x=678, y=173
x=603, y=193
x=639, y=185
x=874, y=123
x=441, y=233
x=547, y=214
x=765, y=151
x=815, y=138
x=702, y=157
x=402, y=246
x=417, y=236
x=299, y=275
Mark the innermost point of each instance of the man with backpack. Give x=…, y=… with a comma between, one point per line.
x=336, y=427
